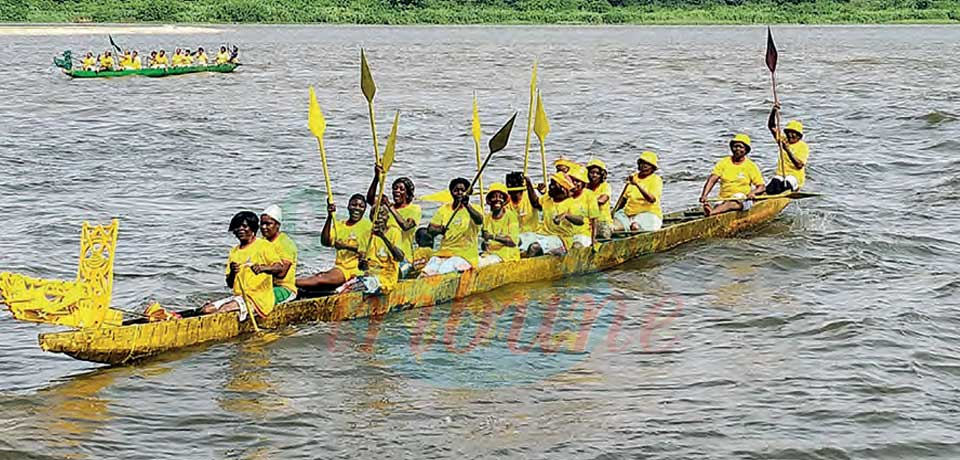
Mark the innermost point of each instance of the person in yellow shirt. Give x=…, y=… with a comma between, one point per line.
x=404, y=214
x=285, y=281
x=501, y=230
x=162, y=59
x=106, y=61
x=125, y=61
x=381, y=260
x=519, y=203
x=251, y=266
x=135, y=62
x=89, y=62
x=558, y=227
x=177, y=58
x=736, y=175
x=187, y=58
x=583, y=203
x=639, y=210
x=794, y=152
x=201, y=56
x=223, y=56
x=349, y=237
x=597, y=173
x=459, y=250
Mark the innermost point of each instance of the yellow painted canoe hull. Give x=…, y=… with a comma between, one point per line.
x=125, y=344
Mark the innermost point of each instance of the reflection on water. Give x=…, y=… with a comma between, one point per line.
x=76, y=410
x=249, y=389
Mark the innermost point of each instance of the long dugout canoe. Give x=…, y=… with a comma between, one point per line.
x=152, y=72
x=122, y=345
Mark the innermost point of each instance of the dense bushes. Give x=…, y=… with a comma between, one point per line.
x=481, y=11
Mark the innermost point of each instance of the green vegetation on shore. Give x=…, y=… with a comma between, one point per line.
x=483, y=11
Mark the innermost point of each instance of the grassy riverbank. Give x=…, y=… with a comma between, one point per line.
x=483, y=11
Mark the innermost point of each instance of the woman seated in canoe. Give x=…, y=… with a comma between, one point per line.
x=161, y=60
x=501, y=230
x=794, y=152
x=583, y=202
x=202, y=56
x=349, y=237
x=736, y=174
x=126, y=62
x=135, y=62
x=223, y=56
x=459, y=249
x=381, y=260
x=597, y=173
x=106, y=61
x=519, y=203
x=187, y=58
x=251, y=266
x=177, y=58
x=89, y=61
x=640, y=210
x=403, y=214
x=557, y=228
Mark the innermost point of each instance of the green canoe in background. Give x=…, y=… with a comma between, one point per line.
x=65, y=62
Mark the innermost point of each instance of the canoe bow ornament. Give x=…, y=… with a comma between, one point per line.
x=84, y=303
x=65, y=62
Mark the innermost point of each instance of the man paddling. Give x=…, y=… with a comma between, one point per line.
x=251, y=266
x=501, y=230
x=459, y=250
x=640, y=209
x=284, y=281
x=736, y=174
x=794, y=152
x=349, y=237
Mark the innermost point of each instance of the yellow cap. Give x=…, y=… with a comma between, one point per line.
x=579, y=173
x=562, y=180
x=795, y=125
x=743, y=139
x=649, y=157
x=497, y=187
x=597, y=163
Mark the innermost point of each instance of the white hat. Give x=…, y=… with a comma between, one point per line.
x=274, y=212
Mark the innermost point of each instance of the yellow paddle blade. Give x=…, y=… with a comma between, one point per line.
x=315, y=119
x=541, y=126
x=443, y=196
x=366, y=79
x=391, y=149
x=475, y=128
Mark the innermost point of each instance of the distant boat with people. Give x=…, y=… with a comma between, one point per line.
x=159, y=64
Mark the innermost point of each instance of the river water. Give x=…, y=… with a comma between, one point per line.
x=828, y=333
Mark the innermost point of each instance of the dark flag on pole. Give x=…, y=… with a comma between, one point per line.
x=116, y=47
x=771, y=52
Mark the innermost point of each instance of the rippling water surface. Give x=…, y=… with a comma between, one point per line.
x=829, y=333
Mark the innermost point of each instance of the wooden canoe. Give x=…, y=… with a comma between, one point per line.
x=124, y=344
x=152, y=72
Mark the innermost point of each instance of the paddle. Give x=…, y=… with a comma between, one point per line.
x=318, y=125
x=771, y=60
x=542, y=127
x=496, y=144
x=526, y=144
x=475, y=130
x=369, y=89
x=385, y=164
x=243, y=292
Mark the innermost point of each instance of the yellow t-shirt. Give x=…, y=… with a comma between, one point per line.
x=357, y=235
x=202, y=59
x=381, y=263
x=187, y=59
x=410, y=211
x=177, y=59
x=257, y=290
x=565, y=230
x=162, y=60
x=461, y=237
x=107, y=62
x=637, y=204
x=604, y=189
x=287, y=250
x=585, y=206
x=223, y=57
x=506, y=225
x=527, y=216
x=136, y=64
x=801, y=151
x=736, y=178
x=89, y=63
x=126, y=63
